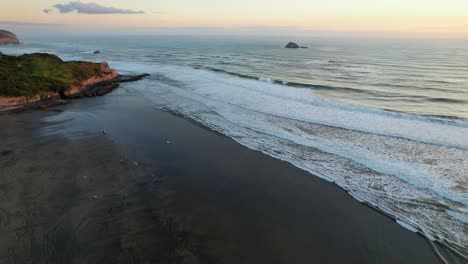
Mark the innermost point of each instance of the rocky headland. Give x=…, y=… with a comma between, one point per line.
x=42, y=80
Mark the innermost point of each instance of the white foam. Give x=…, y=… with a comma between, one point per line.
x=356, y=197
x=461, y=214
x=302, y=104
x=267, y=80
x=408, y=179
x=318, y=62
x=388, y=155
x=407, y=226
x=21, y=49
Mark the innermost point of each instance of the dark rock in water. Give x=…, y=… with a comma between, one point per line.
x=101, y=90
x=97, y=52
x=6, y=37
x=292, y=45
x=105, y=87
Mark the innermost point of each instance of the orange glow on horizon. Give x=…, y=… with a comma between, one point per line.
x=418, y=16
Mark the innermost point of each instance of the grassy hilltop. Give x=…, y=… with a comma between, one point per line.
x=32, y=74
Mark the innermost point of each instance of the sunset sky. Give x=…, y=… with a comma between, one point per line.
x=418, y=16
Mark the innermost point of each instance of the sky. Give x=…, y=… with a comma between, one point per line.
x=436, y=17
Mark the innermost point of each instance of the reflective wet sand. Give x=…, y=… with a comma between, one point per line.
x=114, y=180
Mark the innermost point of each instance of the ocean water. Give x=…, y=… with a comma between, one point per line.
x=386, y=120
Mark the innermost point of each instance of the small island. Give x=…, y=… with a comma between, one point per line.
x=7, y=37
x=41, y=80
x=292, y=45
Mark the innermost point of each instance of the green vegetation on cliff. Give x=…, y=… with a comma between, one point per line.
x=33, y=74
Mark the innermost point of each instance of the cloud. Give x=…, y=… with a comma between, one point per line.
x=92, y=8
x=47, y=11
x=19, y=23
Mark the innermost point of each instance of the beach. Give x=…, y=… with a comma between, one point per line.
x=114, y=179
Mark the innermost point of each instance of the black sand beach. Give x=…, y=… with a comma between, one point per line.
x=114, y=180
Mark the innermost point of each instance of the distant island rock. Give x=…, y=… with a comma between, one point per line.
x=292, y=45
x=6, y=37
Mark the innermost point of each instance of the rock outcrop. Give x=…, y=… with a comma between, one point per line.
x=6, y=37
x=42, y=80
x=105, y=68
x=292, y=45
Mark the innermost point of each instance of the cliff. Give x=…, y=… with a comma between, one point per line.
x=34, y=74
x=33, y=77
x=40, y=80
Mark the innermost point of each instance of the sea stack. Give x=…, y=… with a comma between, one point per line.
x=292, y=45
x=6, y=37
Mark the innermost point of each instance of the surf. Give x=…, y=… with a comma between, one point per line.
x=411, y=167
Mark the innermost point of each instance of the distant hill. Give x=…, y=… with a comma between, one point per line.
x=6, y=37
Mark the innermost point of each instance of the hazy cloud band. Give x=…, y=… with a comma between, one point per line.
x=92, y=8
x=19, y=23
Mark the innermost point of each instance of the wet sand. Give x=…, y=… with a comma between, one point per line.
x=114, y=180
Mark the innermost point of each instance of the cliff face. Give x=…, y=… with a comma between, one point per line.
x=6, y=37
x=89, y=82
x=32, y=77
x=9, y=101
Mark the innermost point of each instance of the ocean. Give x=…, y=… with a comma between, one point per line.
x=386, y=120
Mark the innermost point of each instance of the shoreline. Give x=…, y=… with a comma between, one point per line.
x=445, y=254
x=235, y=205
